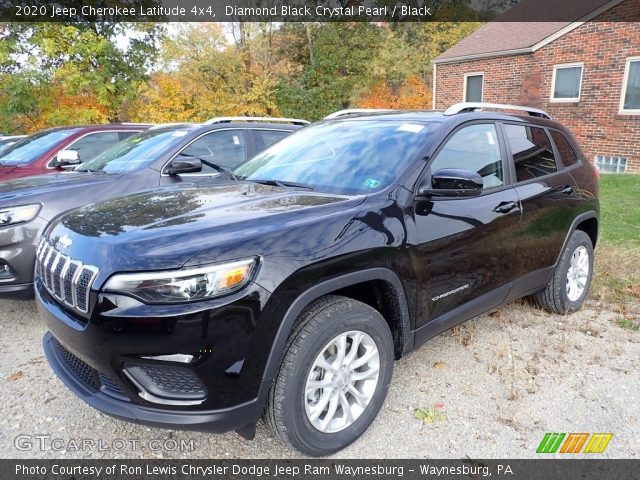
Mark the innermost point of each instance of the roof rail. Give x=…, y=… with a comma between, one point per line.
x=355, y=111
x=294, y=121
x=158, y=126
x=11, y=137
x=473, y=106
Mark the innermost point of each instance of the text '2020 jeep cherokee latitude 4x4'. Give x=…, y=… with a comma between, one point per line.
x=289, y=292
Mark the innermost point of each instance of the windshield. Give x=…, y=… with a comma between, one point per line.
x=352, y=157
x=136, y=152
x=29, y=149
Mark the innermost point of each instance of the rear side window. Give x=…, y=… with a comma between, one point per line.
x=92, y=145
x=123, y=135
x=532, y=152
x=266, y=138
x=474, y=148
x=224, y=148
x=565, y=150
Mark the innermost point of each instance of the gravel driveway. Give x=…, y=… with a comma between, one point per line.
x=500, y=382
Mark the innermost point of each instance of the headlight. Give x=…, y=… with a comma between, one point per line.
x=12, y=215
x=184, y=285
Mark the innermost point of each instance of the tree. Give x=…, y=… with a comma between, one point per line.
x=98, y=66
x=336, y=69
x=203, y=75
x=52, y=74
x=411, y=94
x=423, y=42
x=338, y=65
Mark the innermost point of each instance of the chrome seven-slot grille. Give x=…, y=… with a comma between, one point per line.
x=66, y=279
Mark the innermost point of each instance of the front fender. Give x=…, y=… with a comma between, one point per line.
x=329, y=286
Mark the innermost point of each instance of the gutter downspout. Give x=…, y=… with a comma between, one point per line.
x=433, y=88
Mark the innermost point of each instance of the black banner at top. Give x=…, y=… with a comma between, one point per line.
x=318, y=10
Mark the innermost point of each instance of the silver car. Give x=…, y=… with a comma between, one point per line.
x=164, y=155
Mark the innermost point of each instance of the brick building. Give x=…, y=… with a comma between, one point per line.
x=586, y=74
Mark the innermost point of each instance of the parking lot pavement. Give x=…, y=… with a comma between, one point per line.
x=491, y=388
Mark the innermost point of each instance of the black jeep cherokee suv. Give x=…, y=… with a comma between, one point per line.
x=288, y=291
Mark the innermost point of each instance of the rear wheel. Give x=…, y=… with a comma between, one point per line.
x=571, y=280
x=334, y=376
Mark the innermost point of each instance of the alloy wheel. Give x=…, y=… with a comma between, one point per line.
x=342, y=381
x=578, y=273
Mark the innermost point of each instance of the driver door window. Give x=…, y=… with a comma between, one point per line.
x=92, y=145
x=474, y=148
x=224, y=148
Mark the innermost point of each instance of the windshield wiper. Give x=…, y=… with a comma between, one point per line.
x=283, y=183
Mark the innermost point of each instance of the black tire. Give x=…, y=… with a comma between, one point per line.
x=318, y=324
x=554, y=297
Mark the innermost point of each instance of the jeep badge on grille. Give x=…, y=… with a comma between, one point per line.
x=65, y=241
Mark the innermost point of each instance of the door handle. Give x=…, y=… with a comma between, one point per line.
x=567, y=190
x=505, y=207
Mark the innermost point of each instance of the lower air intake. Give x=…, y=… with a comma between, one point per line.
x=167, y=384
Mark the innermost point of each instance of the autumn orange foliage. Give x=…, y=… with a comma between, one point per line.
x=59, y=107
x=413, y=94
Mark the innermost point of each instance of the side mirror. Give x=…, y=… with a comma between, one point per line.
x=67, y=159
x=184, y=164
x=452, y=182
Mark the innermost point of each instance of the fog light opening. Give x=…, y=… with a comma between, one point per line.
x=167, y=384
x=5, y=272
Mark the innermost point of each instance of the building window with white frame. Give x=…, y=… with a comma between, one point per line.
x=473, y=85
x=630, y=100
x=567, y=82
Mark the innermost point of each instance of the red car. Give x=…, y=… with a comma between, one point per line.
x=38, y=153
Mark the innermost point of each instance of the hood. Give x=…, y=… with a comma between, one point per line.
x=164, y=228
x=9, y=172
x=48, y=187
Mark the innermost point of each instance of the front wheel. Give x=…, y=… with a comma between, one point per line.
x=570, y=283
x=334, y=377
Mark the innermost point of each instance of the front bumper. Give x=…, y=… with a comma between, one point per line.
x=104, y=398
x=93, y=356
x=22, y=291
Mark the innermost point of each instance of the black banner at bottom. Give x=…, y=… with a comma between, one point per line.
x=547, y=469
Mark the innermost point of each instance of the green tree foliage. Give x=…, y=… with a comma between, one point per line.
x=47, y=68
x=63, y=73
x=335, y=65
x=338, y=64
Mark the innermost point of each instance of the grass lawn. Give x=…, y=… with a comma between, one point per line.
x=617, y=279
x=620, y=209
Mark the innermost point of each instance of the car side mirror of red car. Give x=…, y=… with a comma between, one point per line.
x=67, y=159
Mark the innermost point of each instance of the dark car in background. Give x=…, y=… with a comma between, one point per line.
x=39, y=153
x=288, y=293
x=163, y=155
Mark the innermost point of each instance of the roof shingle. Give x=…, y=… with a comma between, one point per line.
x=506, y=33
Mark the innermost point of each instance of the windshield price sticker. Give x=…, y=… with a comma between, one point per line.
x=410, y=127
